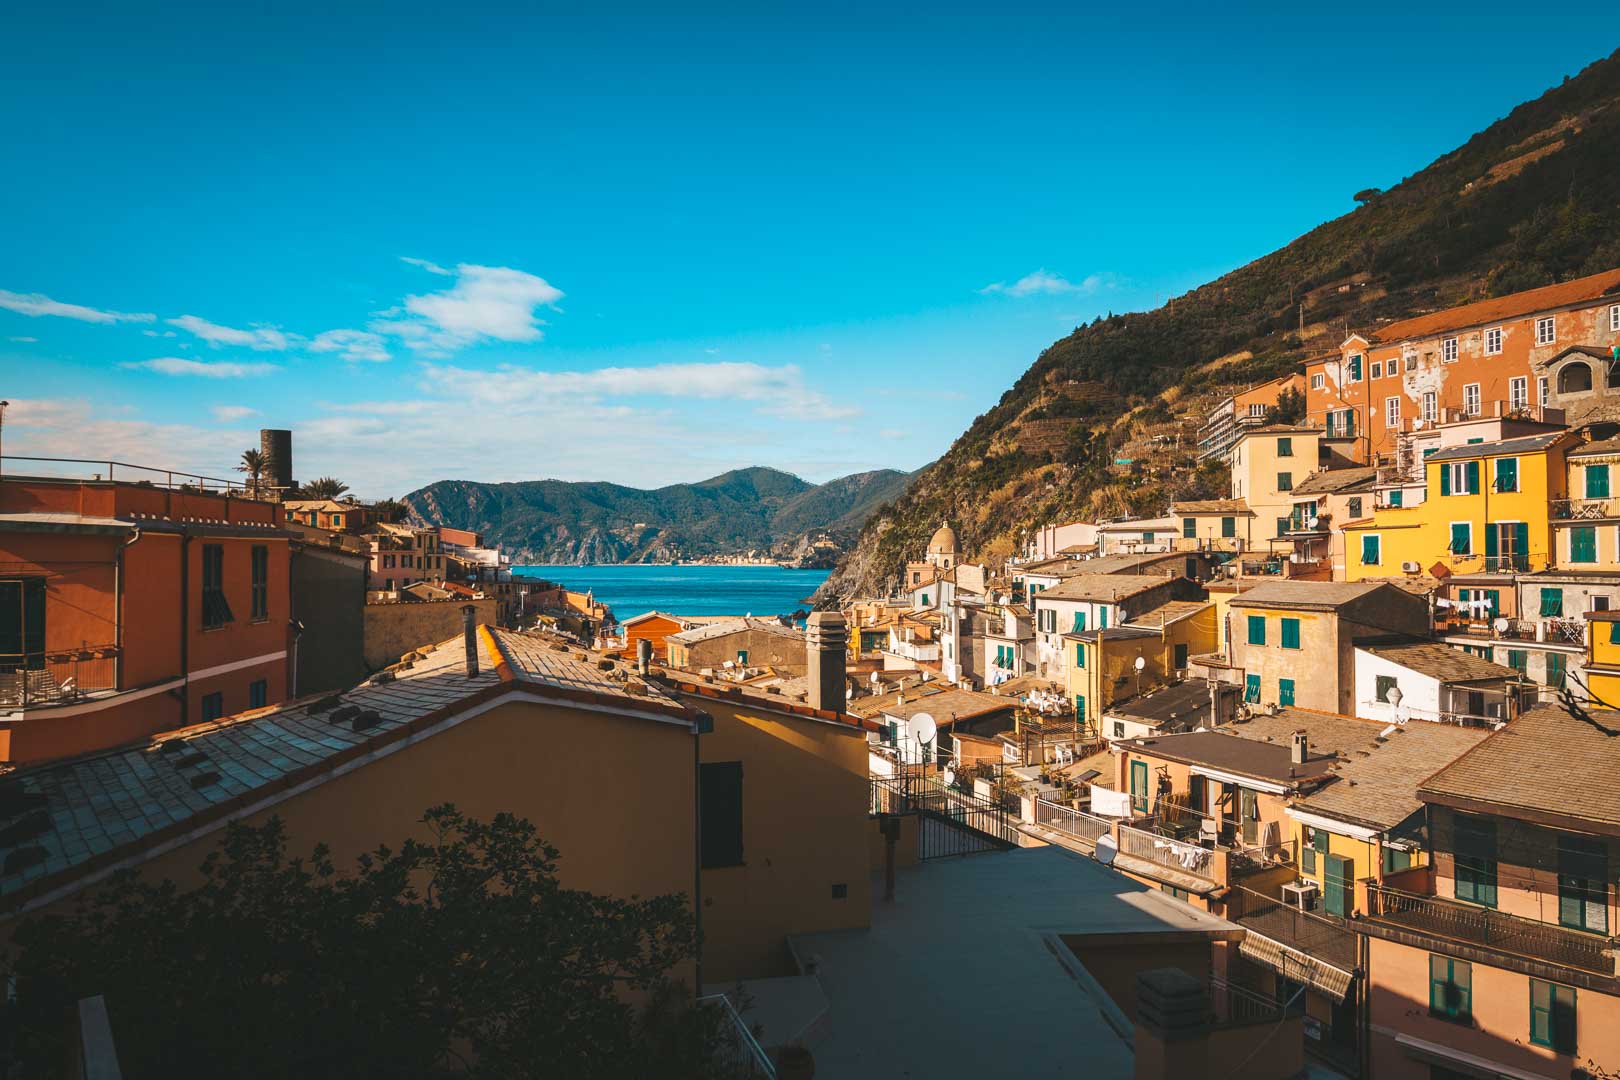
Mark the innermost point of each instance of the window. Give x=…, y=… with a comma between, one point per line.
x=1290, y=633
x=1471, y=399
x=1139, y=786
x=1459, y=478
x=1284, y=525
x=1119, y=729
x=1541, y=392
x=1079, y=707
x=216, y=611
x=742, y=657
x=1557, y=663
x=1462, y=538
x=1147, y=537
x=1493, y=341
x=1614, y=317
x=1394, y=497
x=925, y=600
x=1316, y=843
x=1597, y=481
x=1583, y=874
x=213, y=706
x=1583, y=544
x=1285, y=691
x=258, y=694
x=1378, y=369
x=1552, y=1016
x=1410, y=360
x=1369, y=550
x=337, y=521
x=1507, y=474
x=1382, y=685
x=1451, y=989
x=1102, y=616
x=1355, y=368
x=1448, y=351
x=1079, y=622
x=1251, y=689
x=1431, y=411
x=1392, y=411
x=1552, y=602
x=1476, y=860
x=1574, y=378
x=1257, y=629
x=1353, y=507
x=1257, y=410
x=22, y=624
x=1228, y=526
x=1285, y=447
x=1518, y=393
x=1079, y=654
x=1189, y=528
x=1317, y=381
x=1546, y=332
x=720, y=810
x=1519, y=659
x=1285, y=481
x=1396, y=859
x=261, y=582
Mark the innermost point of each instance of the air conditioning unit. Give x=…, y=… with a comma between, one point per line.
x=1410, y=567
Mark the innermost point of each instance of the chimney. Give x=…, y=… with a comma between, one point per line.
x=643, y=655
x=826, y=637
x=1300, y=748
x=469, y=632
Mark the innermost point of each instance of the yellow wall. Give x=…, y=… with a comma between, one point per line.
x=805, y=829
x=1110, y=671
x=1422, y=534
x=1318, y=668
x=1208, y=534
x=1603, y=662
x=1255, y=468
x=1364, y=855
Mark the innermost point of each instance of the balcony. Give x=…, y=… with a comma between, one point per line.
x=58, y=678
x=1451, y=625
x=1488, y=929
x=913, y=650
x=1582, y=510
x=1325, y=937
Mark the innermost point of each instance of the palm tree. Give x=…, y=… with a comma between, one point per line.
x=327, y=487
x=255, y=464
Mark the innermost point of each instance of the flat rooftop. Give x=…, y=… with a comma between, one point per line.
x=963, y=974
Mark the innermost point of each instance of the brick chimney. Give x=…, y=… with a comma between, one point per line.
x=826, y=638
x=1300, y=748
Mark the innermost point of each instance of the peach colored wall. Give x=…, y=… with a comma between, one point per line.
x=1399, y=988
x=81, y=570
x=1526, y=891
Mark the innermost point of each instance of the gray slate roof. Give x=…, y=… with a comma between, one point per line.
x=1377, y=787
x=1441, y=661
x=1528, y=444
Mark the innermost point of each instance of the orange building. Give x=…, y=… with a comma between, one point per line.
x=344, y=517
x=656, y=626
x=128, y=609
x=1543, y=349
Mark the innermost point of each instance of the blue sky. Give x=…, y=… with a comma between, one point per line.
x=647, y=246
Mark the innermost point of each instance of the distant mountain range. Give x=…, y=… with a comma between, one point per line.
x=760, y=510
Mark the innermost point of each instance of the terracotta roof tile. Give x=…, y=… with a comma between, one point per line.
x=1591, y=287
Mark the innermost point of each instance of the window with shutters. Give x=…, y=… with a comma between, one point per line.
x=1285, y=481
x=1370, y=550
x=1552, y=602
x=1290, y=633
x=1546, y=331
x=258, y=694
x=1189, y=528
x=1583, y=544
x=1462, y=538
x=1552, y=1016
x=1257, y=629
x=1355, y=368
x=1459, y=478
x=1597, y=481
x=261, y=582
x=1079, y=707
x=1451, y=989
x=1079, y=655
x=1079, y=623
x=1251, y=689
x=216, y=611
x=1396, y=859
x=720, y=809
x=213, y=706
x=1285, y=691
x=1316, y=843
x=1285, y=447
x=1583, y=891
x=1519, y=659
x=1507, y=474
x=1493, y=341
x=1557, y=668
x=1475, y=851
x=1228, y=526
x=1382, y=685
x=1353, y=507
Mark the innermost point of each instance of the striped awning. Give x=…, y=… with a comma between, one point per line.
x=1293, y=964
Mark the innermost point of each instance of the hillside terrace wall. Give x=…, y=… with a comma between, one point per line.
x=394, y=628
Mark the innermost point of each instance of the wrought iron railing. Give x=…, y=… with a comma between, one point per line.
x=1580, y=509
x=1314, y=933
x=58, y=678
x=1236, y=1006
x=1168, y=853
x=739, y=1044
x=93, y=469
x=1457, y=921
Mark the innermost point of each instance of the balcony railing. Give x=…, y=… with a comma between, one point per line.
x=1581, y=509
x=1484, y=627
x=738, y=1046
x=1316, y=934
x=1493, y=930
x=1087, y=828
x=94, y=469
x=60, y=678
x=1168, y=853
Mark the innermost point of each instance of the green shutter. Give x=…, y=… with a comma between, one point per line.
x=1079, y=654
x=1507, y=474
x=1462, y=538
x=1492, y=547
x=1338, y=884
x=1475, y=851
x=1451, y=988
x=1228, y=526
x=1290, y=633
x=1251, y=689
x=1521, y=545
x=1445, y=478
x=1079, y=707
x=1189, y=528
x=1552, y=602
x=1552, y=1016
x=1583, y=544
x=1139, y=786
x=1285, y=691
x=1614, y=633
x=1394, y=497
x=1597, y=481
x=1257, y=629
x=1369, y=551
x=1473, y=477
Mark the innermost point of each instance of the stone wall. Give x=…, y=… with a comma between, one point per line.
x=394, y=629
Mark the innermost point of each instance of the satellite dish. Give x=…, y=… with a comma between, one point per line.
x=1501, y=625
x=1106, y=850
x=923, y=727
x=1395, y=696
x=849, y=695
x=1140, y=663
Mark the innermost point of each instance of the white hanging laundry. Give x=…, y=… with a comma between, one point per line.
x=1109, y=803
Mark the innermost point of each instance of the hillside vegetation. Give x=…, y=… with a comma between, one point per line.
x=1533, y=199
x=757, y=509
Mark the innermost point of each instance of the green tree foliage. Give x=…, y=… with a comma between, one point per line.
x=1290, y=408
x=327, y=487
x=460, y=953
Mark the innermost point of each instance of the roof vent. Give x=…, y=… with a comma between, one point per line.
x=366, y=720
x=345, y=714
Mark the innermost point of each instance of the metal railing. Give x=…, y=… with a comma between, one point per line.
x=1314, y=933
x=1580, y=509
x=1235, y=1006
x=1087, y=828
x=57, y=678
x=740, y=1046
x=1165, y=852
x=1490, y=929
x=108, y=470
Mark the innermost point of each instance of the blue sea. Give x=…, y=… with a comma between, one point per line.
x=689, y=590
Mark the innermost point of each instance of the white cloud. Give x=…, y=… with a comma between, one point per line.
x=775, y=391
x=226, y=414
x=259, y=339
x=208, y=369
x=160, y=333
x=37, y=304
x=430, y=267
x=1043, y=282
x=351, y=344
x=71, y=428
x=893, y=433
x=486, y=303
x=24, y=340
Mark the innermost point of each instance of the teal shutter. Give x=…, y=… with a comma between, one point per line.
x=1079, y=707
x=1597, y=481
x=1492, y=530
x=1552, y=602
x=1614, y=633
x=1285, y=691
x=1338, y=885
x=1079, y=654
x=1189, y=528
x=1290, y=633
x=1445, y=479
x=1369, y=551
x=1251, y=689
x=1461, y=538
x=1473, y=477
x=1257, y=629
x=1228, y=526
x=1507, y=474
x=1521, y=545
x=1583, y=544
x=1395, y=497
x=1102, y=618
x=1139, y=786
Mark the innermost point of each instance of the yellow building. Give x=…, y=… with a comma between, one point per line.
x=1584, y=536
x=1603, y=658
x=1266, y=464
x=1102, y=662
x=1214, y=525
x=1487, y=510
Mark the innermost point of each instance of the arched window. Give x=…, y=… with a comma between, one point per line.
x=1575, y=378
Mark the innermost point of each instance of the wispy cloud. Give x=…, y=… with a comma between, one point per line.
x=893, y=433
x=493, y=303
x=259, y=338
x=160, y=333
x=37, y=304
x=351, y=344
x=430, y=267
x=1045, y=283
x=227, y=414
x=24, y=340
x=208, y=369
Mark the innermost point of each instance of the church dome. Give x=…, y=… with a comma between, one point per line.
x=943, y=542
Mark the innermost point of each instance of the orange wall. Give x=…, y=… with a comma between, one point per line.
x=653, y=630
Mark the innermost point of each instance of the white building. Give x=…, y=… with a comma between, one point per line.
x=1428, y=680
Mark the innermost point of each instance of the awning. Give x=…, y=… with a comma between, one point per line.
x=1332, y=981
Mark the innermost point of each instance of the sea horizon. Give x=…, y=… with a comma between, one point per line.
x=631, y=589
